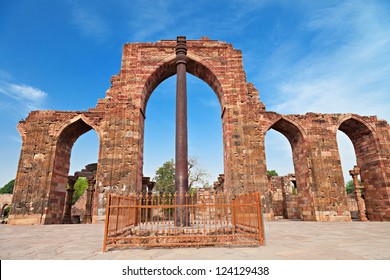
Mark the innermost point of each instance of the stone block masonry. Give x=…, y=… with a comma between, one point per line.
x=118, y=119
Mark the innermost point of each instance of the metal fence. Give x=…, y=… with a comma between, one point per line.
x=182, y=220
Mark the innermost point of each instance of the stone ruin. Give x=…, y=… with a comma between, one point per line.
x=5, y=202
x=118, y=119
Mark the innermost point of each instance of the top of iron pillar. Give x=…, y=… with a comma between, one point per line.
x=181, y=49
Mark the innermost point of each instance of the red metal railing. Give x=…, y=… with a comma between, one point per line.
x=210, y=219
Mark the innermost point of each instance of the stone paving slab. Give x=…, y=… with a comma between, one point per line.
x=285, y=240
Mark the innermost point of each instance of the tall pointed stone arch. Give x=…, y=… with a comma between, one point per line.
x=371, y=161
x=296, y=135
x=65, y=138
x=145, y=65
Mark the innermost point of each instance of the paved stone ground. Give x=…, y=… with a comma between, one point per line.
x=285, y=240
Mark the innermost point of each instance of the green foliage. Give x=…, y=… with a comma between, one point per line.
x=294, y=189
x=6, y=211
x=8, y=188
x=165, y=178
x=272, y=173
x=350, y=187
x=79, y=188
x=192, y=192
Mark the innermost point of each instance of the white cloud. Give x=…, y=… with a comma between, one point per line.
x=24, y=92
x=28, y=97
x=345, y=69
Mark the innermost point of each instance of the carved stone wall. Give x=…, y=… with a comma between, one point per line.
x=118, y=119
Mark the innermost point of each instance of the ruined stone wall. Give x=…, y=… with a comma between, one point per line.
x=276, y=196
x=317, y=163
x=40, y=185
x=283, y=198
x=118, y=119
x=78, y=209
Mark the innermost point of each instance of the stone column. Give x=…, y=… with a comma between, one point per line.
x=67, y=218
x=181, y=157
x=88, y=204
x=358, y=193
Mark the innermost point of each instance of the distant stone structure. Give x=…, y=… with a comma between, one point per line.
x=5, y=201
x=282, y=198
x=118, y=119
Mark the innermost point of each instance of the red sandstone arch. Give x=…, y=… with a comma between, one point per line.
x=368, y=157
x=168, y=69
x=296, y=135
x=65, y=139
x=78, y=119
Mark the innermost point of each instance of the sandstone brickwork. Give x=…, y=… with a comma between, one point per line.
x=283, y=197
x=118, y=119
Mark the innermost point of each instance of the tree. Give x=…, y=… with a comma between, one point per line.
x=165, y=176
x=79, y=188
x=9, y=187
x=350, y=186
x=272, y=173
x=197, y=176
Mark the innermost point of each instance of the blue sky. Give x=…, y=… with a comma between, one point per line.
x=303, y=56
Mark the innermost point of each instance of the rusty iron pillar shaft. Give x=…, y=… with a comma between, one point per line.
x=181, y=161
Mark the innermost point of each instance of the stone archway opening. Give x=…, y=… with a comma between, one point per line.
x=204, y=127
x=168, y=69
x=3, y=210
x=294, y=196
x=348, y=161
x=281, y=187
x=84, y=154
x=62, y=169
x=368, y=157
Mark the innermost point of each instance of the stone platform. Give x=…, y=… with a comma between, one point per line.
x=285, y=240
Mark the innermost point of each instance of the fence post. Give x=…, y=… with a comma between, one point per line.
x=117, y=215
x=107, y=222
x=260, y=219
x=137, y=207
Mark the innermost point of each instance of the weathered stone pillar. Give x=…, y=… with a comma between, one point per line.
x=88, y=204
x=358, y=193
x=67, y=218
x=181, y=162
